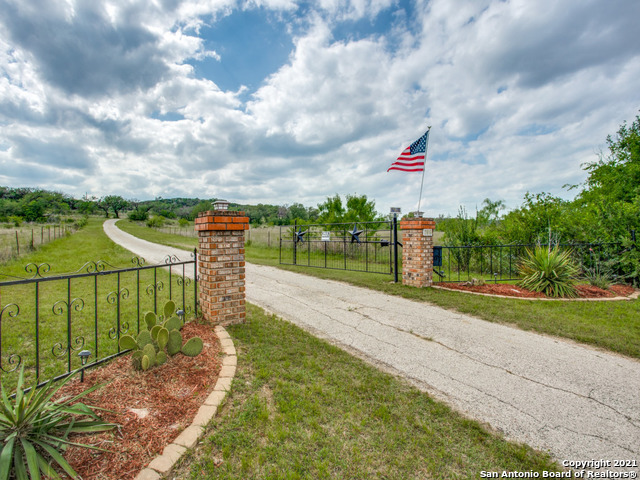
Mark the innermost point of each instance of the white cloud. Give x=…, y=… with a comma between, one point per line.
x=519, y=96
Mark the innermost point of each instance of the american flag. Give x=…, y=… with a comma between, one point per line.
x=412, y=157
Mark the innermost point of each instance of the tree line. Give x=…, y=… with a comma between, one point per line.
x=19, y=205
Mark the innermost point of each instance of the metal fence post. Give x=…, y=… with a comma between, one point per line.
x=395, y=248
x=295, y=241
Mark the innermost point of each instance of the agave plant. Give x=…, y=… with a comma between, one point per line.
x=35, y=429
x=550, y=271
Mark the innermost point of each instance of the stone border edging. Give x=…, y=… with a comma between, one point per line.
x=633, y=296
x=189, y=437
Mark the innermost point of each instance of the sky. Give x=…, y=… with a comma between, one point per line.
x=286, y=101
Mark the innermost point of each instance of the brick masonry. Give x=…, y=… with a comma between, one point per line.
x=417, y=251
x=221, y=267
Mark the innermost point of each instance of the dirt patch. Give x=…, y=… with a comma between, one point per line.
x=510, y=290
x=151, y=407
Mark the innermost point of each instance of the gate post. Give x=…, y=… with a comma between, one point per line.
x=221, y=265
x=417, y=251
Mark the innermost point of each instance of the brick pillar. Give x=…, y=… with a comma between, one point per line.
x=417, y=251
x=221, y=265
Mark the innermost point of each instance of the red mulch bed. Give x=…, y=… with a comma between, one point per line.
x=509, y=290
x=172, y=393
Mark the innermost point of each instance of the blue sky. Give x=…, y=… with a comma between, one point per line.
x=283, y=101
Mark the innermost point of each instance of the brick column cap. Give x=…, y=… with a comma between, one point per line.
x=417, y=223
x=221, y=220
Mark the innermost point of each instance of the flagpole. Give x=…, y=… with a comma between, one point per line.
x=424, y=167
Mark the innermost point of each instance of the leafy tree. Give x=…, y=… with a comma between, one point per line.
x=297, y=211
x=612, y=190
x=543, y=218
x=115, y=203
x=139, y=214
x=490, y=212
x=203, y=206
x=86, y=207
x=101, y=205
x=358, y=208
x=33, y=211
x=331, y=210
x=611, y=195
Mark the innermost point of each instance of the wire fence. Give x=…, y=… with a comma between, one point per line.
x=15, y=242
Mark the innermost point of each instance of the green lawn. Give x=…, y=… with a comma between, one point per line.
x=613, y=326
x=301, y=408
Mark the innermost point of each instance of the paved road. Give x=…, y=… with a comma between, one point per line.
x=576, y=402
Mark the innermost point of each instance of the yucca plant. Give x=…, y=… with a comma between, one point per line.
x=599, y=276
x=35, y=429
x=550, y=271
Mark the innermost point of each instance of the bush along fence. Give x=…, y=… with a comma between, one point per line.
x=84, y=312
x=499, y=263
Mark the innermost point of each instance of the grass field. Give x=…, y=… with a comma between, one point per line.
x=301, y=408
x=83, y=312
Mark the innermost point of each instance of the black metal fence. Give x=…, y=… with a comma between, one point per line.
x=500, y=262
x=362, y=246
x=46, y=319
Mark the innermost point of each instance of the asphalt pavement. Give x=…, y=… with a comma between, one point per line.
x=577, y=402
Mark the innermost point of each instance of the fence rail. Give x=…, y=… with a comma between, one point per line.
x=499, y=263
x=262, y=236
x=361, y=246
x=46, y=319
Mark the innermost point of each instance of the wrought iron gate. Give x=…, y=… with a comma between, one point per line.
x=358, y=246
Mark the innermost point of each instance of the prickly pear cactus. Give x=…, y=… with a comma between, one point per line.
x=150, y=319
x=173, y=323
x=161, y=358
x=154, y=332
x=144, y=338
x=127, y=342
x=169, y=309
x=174, y=343
x=193, y=347
x=160, y=340
x=163, y=338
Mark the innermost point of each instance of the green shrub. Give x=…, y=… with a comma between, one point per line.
x=17, y=221
x=155, y=222
x=550, y=271
x=35, y=429
x=183, y=222
x=627, y=263
x=138, y=215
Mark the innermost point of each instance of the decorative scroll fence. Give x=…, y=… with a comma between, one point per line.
x=46, y=319
x=500, y=262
